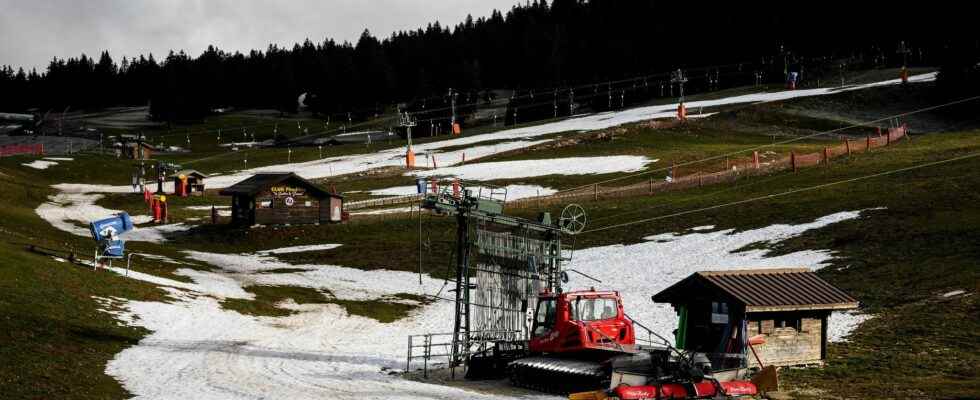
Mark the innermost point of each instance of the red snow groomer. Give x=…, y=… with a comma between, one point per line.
x=582, y=341
x=573, y=336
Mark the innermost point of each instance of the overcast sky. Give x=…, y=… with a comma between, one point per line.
x=32, y=32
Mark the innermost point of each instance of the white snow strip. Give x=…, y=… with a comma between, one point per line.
x=533, y=168
x=394, y=191
x=239, y=144
x=300, y=249
x=343, y=282
x=514, y=192
x=384, y=211
x=204, y=282
x=953, y=293
x=206, y=208
x=40, y=164
x=81, y=188
x=841, y=324
x=59, y=158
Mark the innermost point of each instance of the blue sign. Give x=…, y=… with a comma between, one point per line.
x=113, y=248
x=111, y=228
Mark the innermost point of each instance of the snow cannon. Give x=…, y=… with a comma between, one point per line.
x=106, y=232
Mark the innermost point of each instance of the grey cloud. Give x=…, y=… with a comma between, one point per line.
x=34, y=31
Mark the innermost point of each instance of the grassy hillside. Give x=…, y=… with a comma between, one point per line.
x=55, y=342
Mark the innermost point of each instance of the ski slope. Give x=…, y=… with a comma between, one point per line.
x=199, y=350
x=450, y=152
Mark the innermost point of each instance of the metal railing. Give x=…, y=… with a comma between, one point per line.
x=429, y=346
x=386, y=201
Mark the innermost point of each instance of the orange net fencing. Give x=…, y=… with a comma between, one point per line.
x=757, y=165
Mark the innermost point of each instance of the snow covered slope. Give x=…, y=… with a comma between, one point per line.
x=199, y=350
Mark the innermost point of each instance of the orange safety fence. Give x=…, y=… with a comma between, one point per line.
x=737, y=169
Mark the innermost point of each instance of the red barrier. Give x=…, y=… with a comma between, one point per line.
x=18, y=149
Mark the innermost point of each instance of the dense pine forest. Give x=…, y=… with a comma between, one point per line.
x=539, y=48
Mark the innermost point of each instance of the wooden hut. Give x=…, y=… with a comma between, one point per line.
x=789, y=307
x=188, y=182
x=282, y=199
x=137, y=150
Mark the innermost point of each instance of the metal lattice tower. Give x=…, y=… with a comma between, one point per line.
x=515, y=259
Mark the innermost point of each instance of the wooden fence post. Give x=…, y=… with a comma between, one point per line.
x=847, y=145
x=868, y=146
x=826, y=156
x=700, y=180
x=792, y=160
x=651, y=186
x=755, y=159
x=595, y=190
x=888, y=138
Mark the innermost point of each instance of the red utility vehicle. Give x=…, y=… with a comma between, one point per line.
x=573, y=336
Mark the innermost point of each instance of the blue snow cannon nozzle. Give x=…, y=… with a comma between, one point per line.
x=104, y=229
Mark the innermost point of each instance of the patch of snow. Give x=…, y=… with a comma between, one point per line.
x=394, y=191
x=514, y=192
x=206, y=208
x=59, y=158
x=533, y=168
x=40, y=164
x=953, y=293
x=384, y=211
x=703, y=228
x=343, y=282
x=204, y=282
x=240, y=144
x=64, y=209
x=83, y=188
x=841, y=324
x=199, y=351
x=300, y=249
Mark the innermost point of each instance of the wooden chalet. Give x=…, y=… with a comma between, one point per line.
x=282, y=199
x=789, y=307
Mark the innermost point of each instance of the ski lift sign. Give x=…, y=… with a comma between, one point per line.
x=288, y=191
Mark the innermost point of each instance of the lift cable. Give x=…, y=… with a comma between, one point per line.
x=787, y=141
x=786, y=193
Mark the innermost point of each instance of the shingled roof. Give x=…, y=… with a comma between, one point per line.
x=187, y=172
x=259, y=182
x=762, y=290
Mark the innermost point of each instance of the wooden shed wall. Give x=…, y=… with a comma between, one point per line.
x=792, y=338
x=279, y=213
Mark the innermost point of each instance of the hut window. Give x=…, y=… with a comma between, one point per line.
x=766, y=326
x=719, y=312
x=265, y=204
x=308, y=203
x=794, y=323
